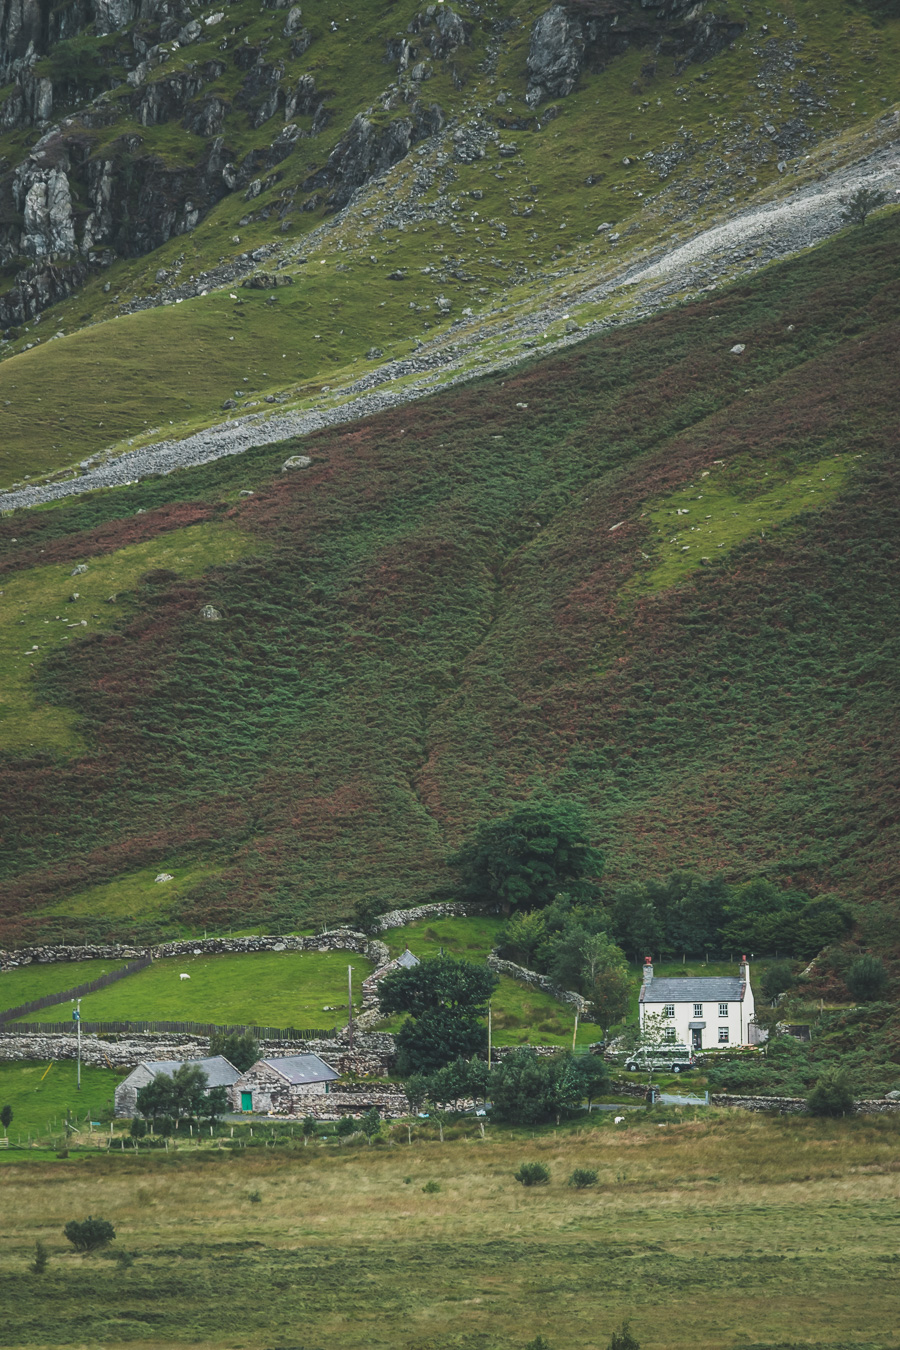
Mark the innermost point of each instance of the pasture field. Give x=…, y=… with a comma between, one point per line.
x=717, y=1232
x=40, y=1094
x=265, y=988
x=31, y=982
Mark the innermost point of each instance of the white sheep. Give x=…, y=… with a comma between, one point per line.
x=618, y=1120
x=184, y=977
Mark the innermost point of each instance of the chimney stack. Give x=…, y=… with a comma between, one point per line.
x=745, y=969
x=648, y=969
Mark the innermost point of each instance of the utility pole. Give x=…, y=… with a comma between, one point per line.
x=350, y=1003
x=489, y=1035
x=575, y=1032
x=76, y=1018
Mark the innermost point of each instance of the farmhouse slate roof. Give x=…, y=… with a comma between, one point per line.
x=303, y=1069
x=699, y=989
x=219, y=1072
x=407, y=960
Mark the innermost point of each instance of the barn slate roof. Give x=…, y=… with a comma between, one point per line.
x=299, y=1069
x=407, y=960
x=699, y=989
x=219, y=1072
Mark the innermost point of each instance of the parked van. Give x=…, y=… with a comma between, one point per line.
x=662, y=1058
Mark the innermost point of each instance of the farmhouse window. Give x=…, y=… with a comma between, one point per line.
x=723, y=1035
x=723, y=1009
x=669, y=1034
x=698, y=1009
x=668, y=1010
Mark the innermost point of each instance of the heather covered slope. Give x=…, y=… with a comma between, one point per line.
x=652, y=572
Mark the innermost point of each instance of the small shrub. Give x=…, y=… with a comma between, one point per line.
x=623, y=1340
x=164, y=1126
x=255, y=1198
x=533, y=1174
x=90, y=1235
x=345, y=1126
x=138, y=1128
x=866, y=978
x=6, y=1116
x=861, y=204
x=431, y=1187
x=41, y=1258
x=583, y=1177
x=539, y=1343
x=831, y=1095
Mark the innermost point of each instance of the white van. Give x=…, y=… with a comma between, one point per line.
x=662, y=1058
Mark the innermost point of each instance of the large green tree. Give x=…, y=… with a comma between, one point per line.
x=527, y=857
x=445, y=1000
x=527, y=1088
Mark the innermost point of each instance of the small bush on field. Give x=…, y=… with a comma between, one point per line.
x=831, y=1095
x=582, y=1177
x=255, y=1198
x=345, y=1126
x=533, y=1174
x=539, y=1343
x=431, y=1187
x=138, y=1128
x=89, y=1235
x=866, y=978
x=41, y=1259
x=623, y=1340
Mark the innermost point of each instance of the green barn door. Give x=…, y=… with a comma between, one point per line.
x=246, y=1101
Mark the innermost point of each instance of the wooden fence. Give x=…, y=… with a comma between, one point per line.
x=186, y=1028
x=65, y=995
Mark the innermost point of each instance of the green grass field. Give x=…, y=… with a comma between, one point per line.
x=34, y=981
x=261, y=988
x=40, y=1093
x=717, y=1233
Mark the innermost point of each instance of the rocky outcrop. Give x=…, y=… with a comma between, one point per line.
x=31, y=99
x=567, y=39
x=368, y=150
x=555, y=55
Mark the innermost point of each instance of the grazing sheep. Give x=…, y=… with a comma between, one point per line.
x=618, y=1120
x=184, y=977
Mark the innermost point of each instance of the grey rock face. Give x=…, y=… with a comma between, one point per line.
x=210, y=613
x=367, y=150
x=30, y=102
x=44, y=198
x=555, y=56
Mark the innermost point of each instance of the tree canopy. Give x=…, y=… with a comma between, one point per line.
x=525, y=858
x=445, y=998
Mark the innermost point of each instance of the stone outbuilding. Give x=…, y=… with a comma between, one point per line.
x=282, y=1085
x=219, y=1071
x=405, y=961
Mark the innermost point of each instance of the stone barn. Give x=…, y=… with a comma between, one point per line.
x=219, y=1073
x=282, y=1084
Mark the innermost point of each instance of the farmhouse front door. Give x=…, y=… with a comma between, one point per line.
x=246, y=1101
x=696, y=1039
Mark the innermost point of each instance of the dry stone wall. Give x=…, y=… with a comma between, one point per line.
x=531, y=977
x=340, y=939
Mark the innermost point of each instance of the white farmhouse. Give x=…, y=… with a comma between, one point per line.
x=704, y=1012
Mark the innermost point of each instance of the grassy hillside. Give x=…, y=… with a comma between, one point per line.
x=464, y=600
x=707, y=1233
x=653, y=145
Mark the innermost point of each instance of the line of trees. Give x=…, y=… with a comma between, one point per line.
x=525, y=1088
x=183, y=1095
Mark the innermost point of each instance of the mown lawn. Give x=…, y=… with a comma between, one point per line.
x=262, y=988
x=710, y=1234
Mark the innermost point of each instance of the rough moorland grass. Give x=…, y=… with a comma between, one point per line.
x=136, y=895
x=437, y=626
x=710, y=1234
x=38, y=616
x=261, y=988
